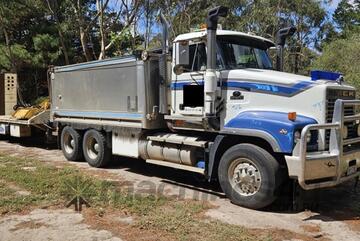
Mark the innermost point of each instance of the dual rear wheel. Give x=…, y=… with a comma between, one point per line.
x=91, y=146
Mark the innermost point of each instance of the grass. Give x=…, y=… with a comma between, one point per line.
x=10, y=200
x=53, y=186
x=185, y=221
x=48, y=185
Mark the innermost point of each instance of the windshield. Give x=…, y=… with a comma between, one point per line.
x=240, y=53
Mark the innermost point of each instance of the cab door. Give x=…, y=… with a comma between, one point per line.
x=188, y=87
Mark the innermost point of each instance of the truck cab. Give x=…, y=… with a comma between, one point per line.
x=308, y=123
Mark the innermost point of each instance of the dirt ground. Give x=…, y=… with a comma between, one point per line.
x=41, y=225
x=331, y=214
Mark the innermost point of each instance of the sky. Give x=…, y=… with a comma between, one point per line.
x=333, y=5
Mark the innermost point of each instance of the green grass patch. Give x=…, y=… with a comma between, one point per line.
x=184, y=220
x=50, y=185
x=10, y=200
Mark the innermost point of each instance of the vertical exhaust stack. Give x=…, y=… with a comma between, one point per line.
x=210, y=78
x=163, y=100
x=281, y=37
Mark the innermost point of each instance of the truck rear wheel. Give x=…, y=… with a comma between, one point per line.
x=249, y=176
x=96, y=152
x=71, y=144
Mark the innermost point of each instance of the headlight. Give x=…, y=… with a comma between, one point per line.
x=345, y=132
x=297, y=136
x=308, y=137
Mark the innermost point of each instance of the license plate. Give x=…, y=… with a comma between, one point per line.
x=351, y=170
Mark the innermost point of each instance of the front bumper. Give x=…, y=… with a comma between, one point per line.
x=333, y=166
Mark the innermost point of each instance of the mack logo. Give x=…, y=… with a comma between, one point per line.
x=283, y=131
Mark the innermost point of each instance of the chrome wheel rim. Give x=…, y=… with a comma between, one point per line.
x=244, y=176
x=69, y=143
x=92, y=147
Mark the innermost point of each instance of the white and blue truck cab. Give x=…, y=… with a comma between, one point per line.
x=212, y=104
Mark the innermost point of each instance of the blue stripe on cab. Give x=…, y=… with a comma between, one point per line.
x=180, y=85
x=253, y=86
x=96, y=114
x=276, y=89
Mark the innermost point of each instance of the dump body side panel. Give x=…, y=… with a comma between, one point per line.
x=114, y=89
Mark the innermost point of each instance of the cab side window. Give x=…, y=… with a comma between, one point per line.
x=197, y=58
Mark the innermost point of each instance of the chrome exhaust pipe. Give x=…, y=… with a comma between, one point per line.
x=163, y=100
x=210, y=79
x=281, y=37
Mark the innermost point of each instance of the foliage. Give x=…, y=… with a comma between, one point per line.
x=342, y=55
x=341, y=52
x=347, y=15
x=14, y=55
x=46, y=50
x=37, y=33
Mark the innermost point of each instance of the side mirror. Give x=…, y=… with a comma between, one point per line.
x=272, y=52
x=181, y=56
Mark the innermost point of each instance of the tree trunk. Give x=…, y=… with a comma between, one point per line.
x=63, y=46
x=100, y=8
x=11, y=59
x=84, y=43
x=60, y=33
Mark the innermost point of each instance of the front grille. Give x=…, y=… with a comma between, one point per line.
x=331, y=96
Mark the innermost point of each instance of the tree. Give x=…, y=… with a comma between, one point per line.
x=46, y=50
x=347, y=15
x=118, y=23
x=83, y=16
x=262, y=17
x=342, y=55
x=14, y=51
x=55, y=9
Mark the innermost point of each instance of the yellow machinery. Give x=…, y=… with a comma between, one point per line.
x=26, y=113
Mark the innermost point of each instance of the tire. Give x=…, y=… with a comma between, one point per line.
x=71, y=144
x=249, y=176
x=96, y=152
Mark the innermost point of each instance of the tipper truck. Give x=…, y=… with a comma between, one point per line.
x=212, y=103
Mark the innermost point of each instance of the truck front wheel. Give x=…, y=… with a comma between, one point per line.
x=249, y=176
x=71, y=144
x=96, y=152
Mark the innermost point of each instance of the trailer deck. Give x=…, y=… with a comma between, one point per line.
x=22, y=128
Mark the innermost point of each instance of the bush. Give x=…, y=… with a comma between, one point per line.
x=342, y=55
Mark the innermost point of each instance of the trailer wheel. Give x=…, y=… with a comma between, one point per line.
x=71, y=144
x=96, y=152
x=249, y=176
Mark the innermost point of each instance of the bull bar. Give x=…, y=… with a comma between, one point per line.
x=331, y=167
